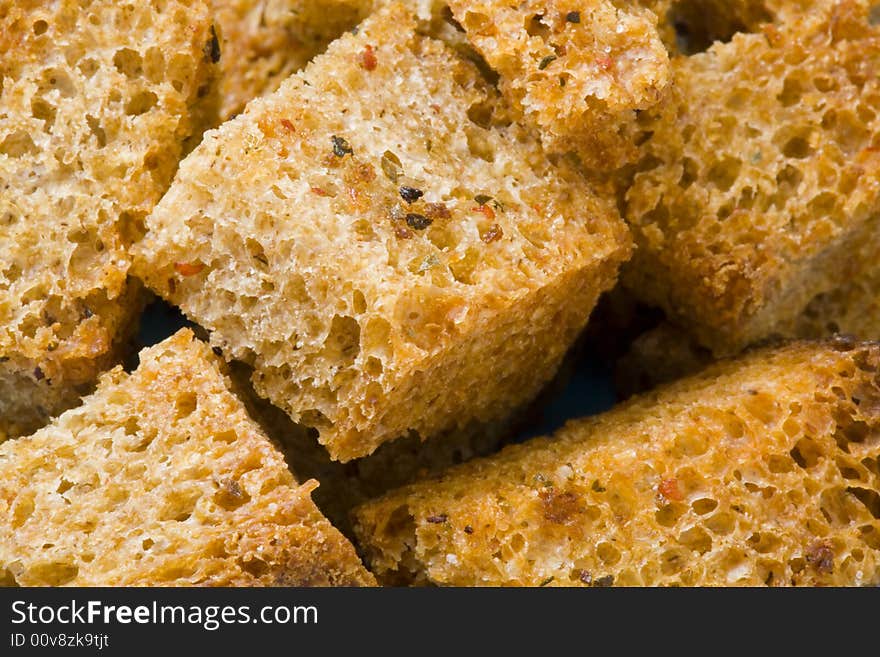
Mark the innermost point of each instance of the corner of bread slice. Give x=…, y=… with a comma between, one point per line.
x=757, y=191
x=578, y=75
x=161, y=478
x=759, y=471
x=94, y=122
x=385, y=250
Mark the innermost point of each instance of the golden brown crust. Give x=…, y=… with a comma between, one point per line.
x=758, y=187
x=262, y=43
x=578, y=77
x=387, y=261
x=161, y=478
x=760, y=471
x=93, y=120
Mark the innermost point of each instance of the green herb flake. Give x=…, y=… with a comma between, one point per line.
x=341, y=147
x=391, y=166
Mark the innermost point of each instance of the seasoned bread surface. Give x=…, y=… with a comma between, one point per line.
x=386, y=251
x=760, y=471
x=96, y=101
x=578, y=72
x=161, y=478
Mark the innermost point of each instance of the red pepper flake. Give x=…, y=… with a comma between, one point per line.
x=438, y=519
x=559, y=508
x=821, y=557
x=188, y=268
x=668, y=488
x=493, y=234
x=487, y=211
x=368, y=59
x=605, y=63
x=586, y=577
x=320, y=192
x=287, y=124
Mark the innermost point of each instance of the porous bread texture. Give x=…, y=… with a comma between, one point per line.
x=577, y=77
x=757, y=187
x=761, y=471
x=393, y=464
x=262, y=43
x=692, y=26
x=296, y=234
x=96, y=101
x=161, y=479
x=666, y=352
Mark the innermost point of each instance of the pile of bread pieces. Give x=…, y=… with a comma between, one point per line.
x=393, y=226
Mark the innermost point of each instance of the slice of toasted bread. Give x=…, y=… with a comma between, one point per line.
x=386, y=252
x=758, y=184
x=761, y=471
x=578, y=72
x=263, y=43
x=162, y=478
x=97, y=101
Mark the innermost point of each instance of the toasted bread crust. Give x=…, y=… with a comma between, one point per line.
x=758, y=188
x=387, y=262
x=98, y=100
x=161, y=478
x=758, y=471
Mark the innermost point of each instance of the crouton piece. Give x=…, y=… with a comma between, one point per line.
x=667, y=353
x=263, y=43
x=761, y=471
x=161, y=478
x=758, y=183
x=384, y=254
x=577, y=72
x=96, y=102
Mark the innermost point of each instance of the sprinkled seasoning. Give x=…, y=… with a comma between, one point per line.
x=38, y=374
x=417, y=221
x=438, y=519
x=287, y=125
x=368, y=59
x=546, y=582
x=391, y=166
x=341, y=147
x=604, y=582
x=549, y=59
x=411, y=194
x=403, y=233
x=212, y=48
x=188, y=268
x=573, y=17
x=493, y=234
x=468, y=529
